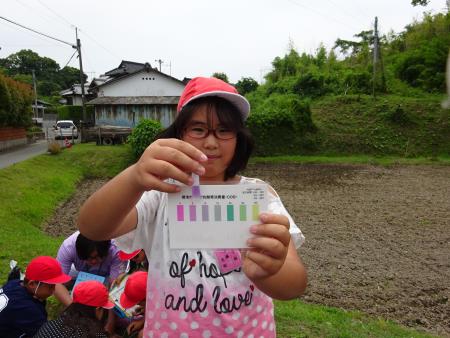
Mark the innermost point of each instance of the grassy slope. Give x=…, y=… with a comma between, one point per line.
x=388, y=125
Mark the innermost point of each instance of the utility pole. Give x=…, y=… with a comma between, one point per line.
x=160, y=62
x=78, y=47
x=35, y=110
x=375, y=55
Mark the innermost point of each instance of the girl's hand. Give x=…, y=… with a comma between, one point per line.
x=269, y=247
x=167, y=158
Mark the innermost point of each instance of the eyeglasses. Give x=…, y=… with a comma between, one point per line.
x=200, y=132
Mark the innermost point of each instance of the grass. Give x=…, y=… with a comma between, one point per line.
x=32, y=190
x=354, y=159
x=297, y=319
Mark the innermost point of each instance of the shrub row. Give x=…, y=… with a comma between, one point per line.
x=75, y=113
x=15, y=103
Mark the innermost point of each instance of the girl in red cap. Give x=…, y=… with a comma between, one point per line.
x=187, y=293
x=83, y=318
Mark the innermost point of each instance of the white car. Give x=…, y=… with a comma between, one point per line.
x=65, y=129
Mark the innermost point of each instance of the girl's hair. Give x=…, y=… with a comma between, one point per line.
x=81, y=319
x=229, y=117
x=85, y=247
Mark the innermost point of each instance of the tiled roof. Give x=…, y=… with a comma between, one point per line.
x=114, y=100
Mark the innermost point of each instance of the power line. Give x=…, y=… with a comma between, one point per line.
x=42, y=15
x=35, y=31
x=323, y=15
x=72, y=25
x=98, y=43
x=70, y=59
x=59, y=16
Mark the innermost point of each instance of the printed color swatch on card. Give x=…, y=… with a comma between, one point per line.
x=219, y=218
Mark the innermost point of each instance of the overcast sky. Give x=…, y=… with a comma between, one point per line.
x=194, y=37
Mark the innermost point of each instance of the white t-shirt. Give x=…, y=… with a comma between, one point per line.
x=187, y=295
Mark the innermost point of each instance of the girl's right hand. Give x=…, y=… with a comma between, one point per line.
x=167, y=158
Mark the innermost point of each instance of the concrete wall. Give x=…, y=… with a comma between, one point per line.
x=12, y=137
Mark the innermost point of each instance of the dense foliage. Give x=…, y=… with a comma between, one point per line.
x=143, y=134
x=15, y=103
x=50, y=77
x=411, y=66
x=75, y=113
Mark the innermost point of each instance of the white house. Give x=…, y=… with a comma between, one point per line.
x=72, y=96
x=134, y=91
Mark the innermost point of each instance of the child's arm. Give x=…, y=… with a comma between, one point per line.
x=272, y=262
x=110, y=211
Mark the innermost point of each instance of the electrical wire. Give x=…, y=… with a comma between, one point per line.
x=70, y=59
x=35, y=31
x=323, y=15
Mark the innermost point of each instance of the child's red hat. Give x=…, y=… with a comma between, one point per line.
x=46, y=269
x=135, y=289
x=210, y=86
x=92, y=293
x=125, y=256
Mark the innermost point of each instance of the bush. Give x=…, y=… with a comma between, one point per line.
x=54, y=148
x=15, y=103
x=399, y=116
x=143, y=134
x=281, y=126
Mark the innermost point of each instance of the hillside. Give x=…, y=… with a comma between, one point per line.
x=386, y=125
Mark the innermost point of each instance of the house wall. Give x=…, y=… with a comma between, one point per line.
x=76, y=101
x=143, y=84
x=130, y=115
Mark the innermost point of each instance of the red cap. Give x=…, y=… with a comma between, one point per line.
x=126, y=256
x=46, y=269
x=210, y=86
x=135, y=289
x=92, y=293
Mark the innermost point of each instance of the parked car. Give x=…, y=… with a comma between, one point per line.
x=65, y=129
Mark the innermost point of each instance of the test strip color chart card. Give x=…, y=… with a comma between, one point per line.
x=219, y=219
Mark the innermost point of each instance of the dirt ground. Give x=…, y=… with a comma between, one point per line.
x=377, y=238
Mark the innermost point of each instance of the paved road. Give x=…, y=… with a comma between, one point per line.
x=20, y=154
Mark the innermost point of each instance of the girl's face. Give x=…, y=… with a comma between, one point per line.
x=220, y=152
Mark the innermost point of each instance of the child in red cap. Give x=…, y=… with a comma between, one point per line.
x=136, y=261
x=188, y=294
x=22, y=303
x=134, y=294
x=83, y=318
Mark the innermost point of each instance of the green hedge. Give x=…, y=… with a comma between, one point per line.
x=15, y=103
x=75, y=113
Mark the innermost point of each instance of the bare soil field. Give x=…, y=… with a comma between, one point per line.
x=377, y=238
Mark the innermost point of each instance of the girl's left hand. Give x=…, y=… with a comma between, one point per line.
x=268, y=249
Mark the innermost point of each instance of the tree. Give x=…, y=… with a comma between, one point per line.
x=246, y=85
x=221, y=76
x=49, y=76
x=419, y=2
